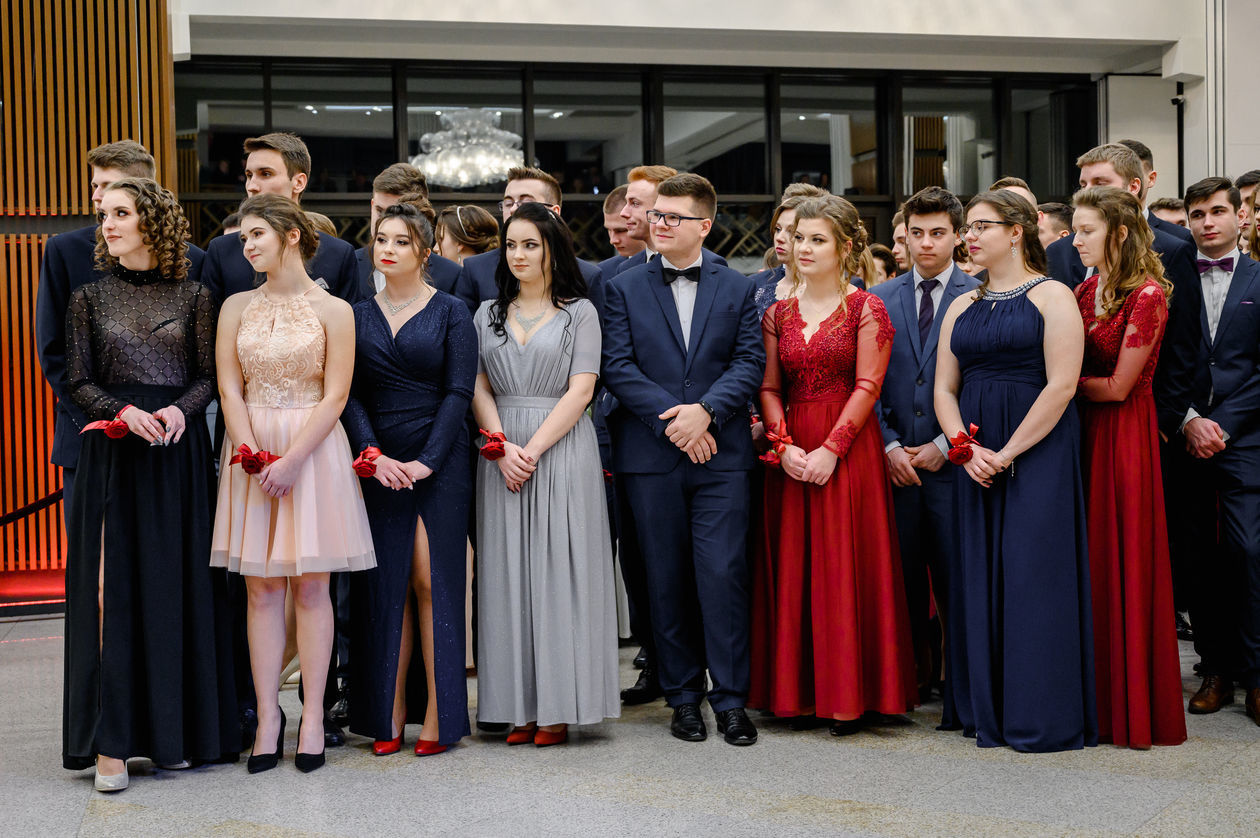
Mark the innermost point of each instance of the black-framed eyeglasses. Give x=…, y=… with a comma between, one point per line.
x=983, y=224
x=671, y=219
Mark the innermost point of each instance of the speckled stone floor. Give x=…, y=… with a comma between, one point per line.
x=629, y=777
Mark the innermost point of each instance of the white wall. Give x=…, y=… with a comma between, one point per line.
x=1140, y=108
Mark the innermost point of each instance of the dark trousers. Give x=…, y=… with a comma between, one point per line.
x=692, y=524
x=67, y=489
x=1174, y=462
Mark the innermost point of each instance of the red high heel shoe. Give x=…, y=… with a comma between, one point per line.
x=546, y=738
x=429, y=747
x=385, y=747
x=522, y=735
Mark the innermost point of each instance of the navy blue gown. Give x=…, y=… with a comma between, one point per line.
x=1022, y=668
x=409, y=398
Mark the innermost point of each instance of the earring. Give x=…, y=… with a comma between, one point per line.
x=1014, y=251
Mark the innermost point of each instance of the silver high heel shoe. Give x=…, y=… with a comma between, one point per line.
x=112, y=782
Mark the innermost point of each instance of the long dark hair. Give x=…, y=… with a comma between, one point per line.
x=567, y=282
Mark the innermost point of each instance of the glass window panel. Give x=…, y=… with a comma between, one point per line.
x=345, y=118
x=1050, y=127
x=483, y=105
x=216, y=109
x=588, y=133
x=950, y=139
x=829, y=138
x=718, y=129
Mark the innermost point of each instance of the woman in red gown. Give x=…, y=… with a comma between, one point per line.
x=831, y=636
x=1125, y=309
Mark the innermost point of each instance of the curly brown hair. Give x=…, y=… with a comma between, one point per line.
x=847, y=227
x=1129, y=262
x=163, y=227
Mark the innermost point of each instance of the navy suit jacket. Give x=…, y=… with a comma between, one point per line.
x=68, y=263
x=906, y=410
x=1163, y=226
x=1225, y=383
x=648, y=370
x=228, y=272
x=442, y=273
x=1176, y=251
x=640, y=258
x=476, y=282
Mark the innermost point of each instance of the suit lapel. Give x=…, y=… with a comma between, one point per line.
x=706, y=291
x=1238, y=287
x=656, y=282
x=911, y=316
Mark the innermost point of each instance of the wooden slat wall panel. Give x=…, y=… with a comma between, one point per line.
x=73, y=74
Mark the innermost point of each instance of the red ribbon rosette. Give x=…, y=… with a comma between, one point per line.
x=779, y=441
x=252, y=462
x=364, y=465
x=492, y=449
x=115, y=428
x=960, y=445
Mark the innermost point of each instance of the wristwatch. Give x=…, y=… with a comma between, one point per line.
x=713, y=428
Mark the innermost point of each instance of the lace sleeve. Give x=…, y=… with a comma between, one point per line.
x=205, y=320
x=1142, y=336
x=81, y=367
x=771, y=393
x=874, y=348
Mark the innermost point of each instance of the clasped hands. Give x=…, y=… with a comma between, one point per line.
x=161, y=427
x=688, y=429
x=985, y=464
x=905, y=460
x=395, y=474
x=814, y=466
x=1204, y=438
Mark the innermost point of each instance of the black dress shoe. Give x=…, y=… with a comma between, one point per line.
x=493, y=727
x=647, y=688
x=641, y=659
x=688, y=724
x=1184, y=631
x=736, y=727
x=845, y=727
x=805, y=723
x=334, y=736
x=340, y=712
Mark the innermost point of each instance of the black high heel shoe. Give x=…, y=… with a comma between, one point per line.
x=306, y=763
x=257, y=763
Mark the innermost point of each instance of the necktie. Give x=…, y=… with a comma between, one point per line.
x=692, y=273
x=1226, y=264
x=927, y=311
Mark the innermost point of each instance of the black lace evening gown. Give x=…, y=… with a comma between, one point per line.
x=157, y=680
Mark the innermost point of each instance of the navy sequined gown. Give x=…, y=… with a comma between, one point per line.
x=410, y=396
x=1022, y=665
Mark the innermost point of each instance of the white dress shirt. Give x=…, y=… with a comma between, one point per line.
x=684, y=291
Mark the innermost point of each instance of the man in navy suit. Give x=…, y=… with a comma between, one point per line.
x=683, y=355
x=923, y=493
x=618, y=233
x=526, y=185
x=69, y=261
x=278, y=164
x=642, y=182
x=1149, y=176
x=1218, y=422
x=401, y=182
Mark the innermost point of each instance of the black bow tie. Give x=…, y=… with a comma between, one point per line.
x=692, y=273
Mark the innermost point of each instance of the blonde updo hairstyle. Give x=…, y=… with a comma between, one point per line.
x=1131, y=261
x=163, y=227
x=283, y=215
x=1014, y=209
x=846, y=225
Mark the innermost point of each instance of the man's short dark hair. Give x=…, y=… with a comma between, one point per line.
x=1199, y=192
x=296, y=157
x=530, y=173
x=616, y=200
x=931, y=200
x=1248, y=179
x=1142, y=150
x=401, y=179
x=1172, y=204
x=693, y=186
x=1060, y=214
x=127, y=156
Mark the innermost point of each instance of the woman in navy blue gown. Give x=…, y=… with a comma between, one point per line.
x=1022, y=666
x=415, y=365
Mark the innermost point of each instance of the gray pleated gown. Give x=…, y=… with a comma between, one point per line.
x=547, y=639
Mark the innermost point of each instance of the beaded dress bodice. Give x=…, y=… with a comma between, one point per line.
x=281, y=346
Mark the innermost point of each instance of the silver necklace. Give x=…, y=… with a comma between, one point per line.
x=394, y=309
x=999, y=296
x=527, y=323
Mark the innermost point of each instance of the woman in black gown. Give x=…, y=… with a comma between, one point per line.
x=148, y=669
x=415, y=365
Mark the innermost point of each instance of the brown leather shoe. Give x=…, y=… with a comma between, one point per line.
x=1216, y=692
x=1253, y=704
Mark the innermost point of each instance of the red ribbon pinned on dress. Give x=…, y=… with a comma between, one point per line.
x=252, y=462
x=115, y=428
x=779, y=441
x=364, y=465
x=492, y=449
x=960, y=445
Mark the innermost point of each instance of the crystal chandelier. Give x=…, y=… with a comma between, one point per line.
x=471, y=150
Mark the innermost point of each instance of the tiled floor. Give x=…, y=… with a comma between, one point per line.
x=629, y=777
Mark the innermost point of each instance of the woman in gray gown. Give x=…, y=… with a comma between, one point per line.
x=547, y=639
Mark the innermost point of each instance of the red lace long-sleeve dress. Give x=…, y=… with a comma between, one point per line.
x=831, y=635
x=1136, y=661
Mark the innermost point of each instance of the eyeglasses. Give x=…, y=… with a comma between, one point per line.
x=509, y=204
x=978, y=227
x=671, y=219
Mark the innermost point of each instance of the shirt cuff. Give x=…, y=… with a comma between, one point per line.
x=1190, y=414
x=896, y=443
x=942, y=442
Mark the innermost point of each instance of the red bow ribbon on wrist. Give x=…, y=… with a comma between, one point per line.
x=364, y=465
x=252, y=462
x=960, y=445
x=779, y=441
x=115, y=428
x=492, y=449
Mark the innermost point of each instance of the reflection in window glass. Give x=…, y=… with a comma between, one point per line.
x=718, y=129
x=215, y=111
x=489, y=104
x=950, y=139
x=346, y=120
x=828, y=137
x=588, y=134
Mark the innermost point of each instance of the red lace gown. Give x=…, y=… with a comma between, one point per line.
x=1136, y=659
x=831, y=635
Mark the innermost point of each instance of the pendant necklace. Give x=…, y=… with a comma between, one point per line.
x=394, y=309
x=527, y=323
